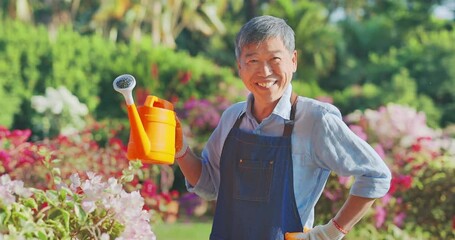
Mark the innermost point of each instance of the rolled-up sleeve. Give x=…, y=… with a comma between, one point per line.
x=339, y=149
x=207, y=185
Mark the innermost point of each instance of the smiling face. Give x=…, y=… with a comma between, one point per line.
x=266, y=69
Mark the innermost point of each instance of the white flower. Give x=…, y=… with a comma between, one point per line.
x=6, y=196
x=9, y=188
x=40, y=103
x=88, y=206
x=68, y=131
x=104, y=236
x=75, y=181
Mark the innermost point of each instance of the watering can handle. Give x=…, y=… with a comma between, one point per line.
x=154, y=101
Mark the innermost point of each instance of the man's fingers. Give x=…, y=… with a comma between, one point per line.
x=295, y=236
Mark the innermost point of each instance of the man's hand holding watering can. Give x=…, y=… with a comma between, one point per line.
x=181, y=147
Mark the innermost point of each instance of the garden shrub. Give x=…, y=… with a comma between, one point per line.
x=428, y=58
x=31, y=60
x=20, y=57
x=87, y=207
x=400, y=90
x=57, y=112
x=96, y=149
x=418, y=204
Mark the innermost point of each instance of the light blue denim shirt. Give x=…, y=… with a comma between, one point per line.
x=321, y=142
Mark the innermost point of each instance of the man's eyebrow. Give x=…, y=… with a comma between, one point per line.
x=255, y=53
x=250, y=54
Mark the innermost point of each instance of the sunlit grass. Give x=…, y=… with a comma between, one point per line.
x=182, y=231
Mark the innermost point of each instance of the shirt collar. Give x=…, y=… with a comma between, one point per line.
x=282, y=109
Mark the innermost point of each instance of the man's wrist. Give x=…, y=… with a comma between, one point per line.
x=338, y=227
x=183, y=150
x=182, y=155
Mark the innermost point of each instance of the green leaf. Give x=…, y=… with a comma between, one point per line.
x=80, y=213
x=30, y=203
x=62, y=195
x=56, y=171
x=57, y=226
x=128, y=178
x=42, y=235
x=56, y=160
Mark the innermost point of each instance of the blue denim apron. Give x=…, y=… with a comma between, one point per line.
x=256, y=196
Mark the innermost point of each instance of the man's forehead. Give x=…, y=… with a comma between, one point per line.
x=269, y=46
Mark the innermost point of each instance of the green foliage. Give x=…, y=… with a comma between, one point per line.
x=63, y=212
x=308, y=88
x=438, y=207
x=20, y=56
x=171, y=75
x=32, y=59
x=361, y=38
x=402, y=89
x=428, y=58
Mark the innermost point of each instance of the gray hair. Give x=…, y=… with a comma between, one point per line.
x=261, y=28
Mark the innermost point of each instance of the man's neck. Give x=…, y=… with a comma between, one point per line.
x=262, y=111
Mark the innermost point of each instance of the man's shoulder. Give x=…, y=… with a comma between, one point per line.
x=233, y=111
x=317, y=108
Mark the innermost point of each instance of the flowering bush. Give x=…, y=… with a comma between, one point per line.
x=59, y=112
x=421, y=160
x=200, y=117
x=87, y=208
x=96, y=149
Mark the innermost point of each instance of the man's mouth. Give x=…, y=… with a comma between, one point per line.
x=266, y=84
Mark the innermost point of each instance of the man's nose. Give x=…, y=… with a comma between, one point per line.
x=265, y=69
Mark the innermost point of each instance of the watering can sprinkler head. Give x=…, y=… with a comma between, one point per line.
x=124, y=84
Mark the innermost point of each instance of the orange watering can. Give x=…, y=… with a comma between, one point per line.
x=152, y=126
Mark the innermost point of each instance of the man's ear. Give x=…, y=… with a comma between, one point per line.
x=294, y=60
x=238, y=67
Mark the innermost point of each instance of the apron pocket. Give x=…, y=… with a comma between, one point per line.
x=253, y=180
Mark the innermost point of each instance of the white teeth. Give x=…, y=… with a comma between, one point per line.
x=266, y=85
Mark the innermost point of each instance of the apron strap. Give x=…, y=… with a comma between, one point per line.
x=289, y=124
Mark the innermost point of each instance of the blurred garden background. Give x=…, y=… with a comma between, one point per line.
x=388, y=65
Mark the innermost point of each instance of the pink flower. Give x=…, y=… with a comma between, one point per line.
x=393, y=186
x=399, y=219
x=406, y=181
x=19, y=136
x=149, y=188
x=117, y=142
x=332, y=195
x=5, y=160
x=380, y=151
x=4, y=132
x=359, y=131
x=380, y=216
x=386, y=199
x=344, y=180
x=402, y=182
x=326, y=99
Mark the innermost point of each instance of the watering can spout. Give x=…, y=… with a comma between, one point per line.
x=152, y=126
x=139, y=143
